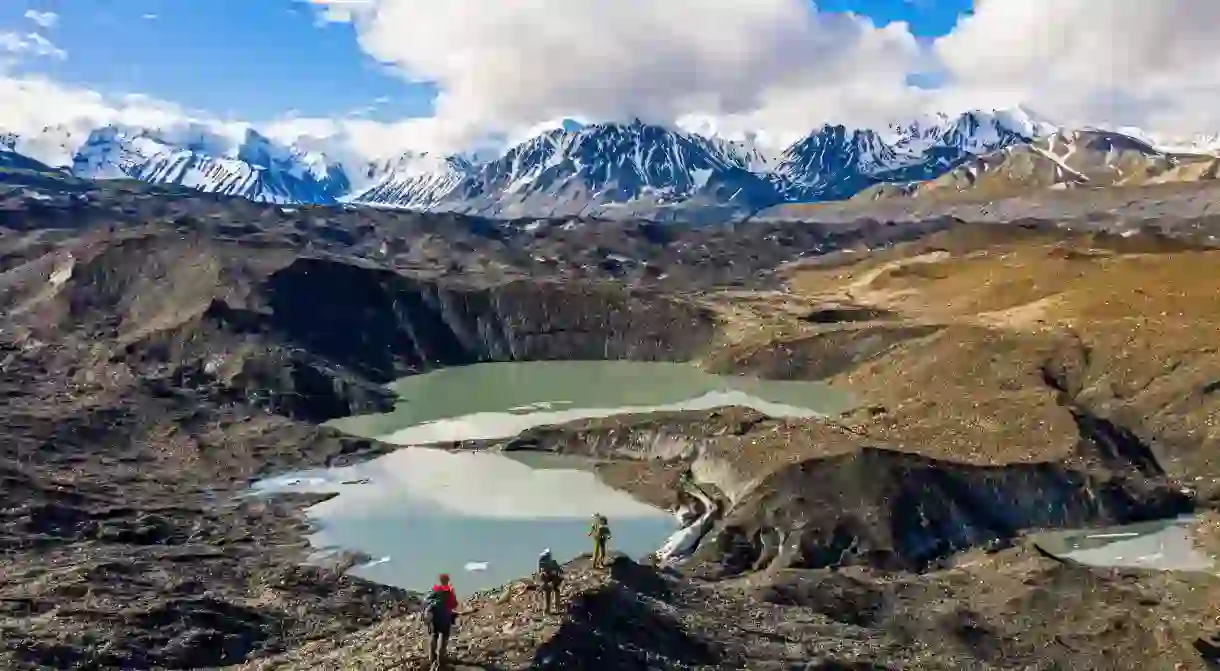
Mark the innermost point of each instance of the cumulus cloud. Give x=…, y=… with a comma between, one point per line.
x=337, y=11
x=783, y=66
x=353, y=136
x=1093, y=61
x=45, y=20
x=55, y=119
x=507, y=69
x=30, y=44
x=31, y=103
x=503, y=66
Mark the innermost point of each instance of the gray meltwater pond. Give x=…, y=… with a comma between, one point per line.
x=484, y=517
x=1164, y=545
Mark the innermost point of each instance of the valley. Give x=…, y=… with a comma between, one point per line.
x=1047, y=365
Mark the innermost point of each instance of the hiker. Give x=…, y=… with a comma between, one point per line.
x=550, y=576
x=600, y=533
x=440, y=611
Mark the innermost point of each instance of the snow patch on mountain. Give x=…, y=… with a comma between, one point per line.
x=413, y=180
x=563, y=172
x=251, y=166
x=563, y=167
x=835, y=162
x=10, y=159
x=1202, y=144
x=52, y=145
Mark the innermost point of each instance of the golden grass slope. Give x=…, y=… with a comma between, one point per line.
x=982, y=326
x=1066, y=160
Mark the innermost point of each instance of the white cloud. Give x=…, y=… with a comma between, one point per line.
x=338, y=11
x=32, y=105
x=782, y=66
x=359, y=137
x=45, y=20
x=1097, y=61
x=504, y=69
x=30, y=44
x=149, y=17
x=504, y=66
x=29, y=105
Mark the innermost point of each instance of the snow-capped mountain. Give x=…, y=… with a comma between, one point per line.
x=579, y=169
x=1201, y=144
x=566, y=167
x=834, y=163
x=1066, y=159
x=974, y=132
x=10, y=159
x=605, y=165
x=417, y=181
x=52, y=145
x=252, y=167
x=748, y=151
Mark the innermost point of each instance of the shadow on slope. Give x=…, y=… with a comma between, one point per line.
x=901, y=511
x=616, y=626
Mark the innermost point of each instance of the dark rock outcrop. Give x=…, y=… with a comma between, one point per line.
x=615, y=626
x=899, y=511
x=387, y=325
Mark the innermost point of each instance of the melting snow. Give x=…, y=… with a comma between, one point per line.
x=375, y=562
x=62, y=273
x=1060, y=164
x=701, y=177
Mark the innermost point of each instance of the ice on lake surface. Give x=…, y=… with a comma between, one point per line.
x=1164, y=545
x=484, y=517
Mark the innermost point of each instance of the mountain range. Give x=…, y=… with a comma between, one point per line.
x=1064, y=159
x=631, y=169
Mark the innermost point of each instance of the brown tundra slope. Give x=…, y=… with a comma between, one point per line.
x=157, y=352
x=1009, y=380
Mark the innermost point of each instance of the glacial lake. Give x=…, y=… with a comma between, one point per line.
x=484, y=517
x=1164, y=545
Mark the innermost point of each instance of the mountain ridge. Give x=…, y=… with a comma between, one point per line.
x=1063, y=160
x=599, y=169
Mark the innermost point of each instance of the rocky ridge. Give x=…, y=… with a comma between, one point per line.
x=618, y=170
x=1063, y=160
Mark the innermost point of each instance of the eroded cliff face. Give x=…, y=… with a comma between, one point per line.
x=387, y=325
x=903, y=512
x=312, y=337
x=812, y=494
x=148, y=376
x=344, y=326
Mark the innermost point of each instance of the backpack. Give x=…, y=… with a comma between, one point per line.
x=434, y=606
x=603, y=532
x=551, y=572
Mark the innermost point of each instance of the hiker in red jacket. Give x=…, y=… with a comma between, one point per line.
x=440, y=611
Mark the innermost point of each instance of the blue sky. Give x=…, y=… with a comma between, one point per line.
x=214, y=54
x=927, y=18
x=259, y=59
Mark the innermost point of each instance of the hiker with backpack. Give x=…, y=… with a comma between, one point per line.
x=550, y=577
x=440, y=612
x=600, y=533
